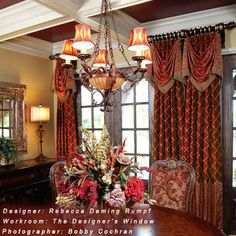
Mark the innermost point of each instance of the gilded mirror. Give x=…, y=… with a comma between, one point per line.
x=12, y=114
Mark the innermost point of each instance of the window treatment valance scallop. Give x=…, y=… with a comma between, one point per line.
x=199, y=61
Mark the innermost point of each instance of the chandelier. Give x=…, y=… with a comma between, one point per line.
x=103, y=75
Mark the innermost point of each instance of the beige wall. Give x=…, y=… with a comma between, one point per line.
x=36, y=74
x=230, y=38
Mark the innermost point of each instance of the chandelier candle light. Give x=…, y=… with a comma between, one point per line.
x=40, y=114
x=102, y=74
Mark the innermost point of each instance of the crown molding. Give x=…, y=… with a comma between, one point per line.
x=29, y=45
x=192, y=20
x=228, y=51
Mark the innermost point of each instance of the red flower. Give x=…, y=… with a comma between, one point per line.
x=73, y=158
x=134, y=190
x=116, y=170
x=88, y=191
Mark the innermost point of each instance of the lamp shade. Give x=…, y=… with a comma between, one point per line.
x=101, y=59
x=138, y=39
x=40, y=113
x=147, y=55
x=83, y=39
x=69, y=53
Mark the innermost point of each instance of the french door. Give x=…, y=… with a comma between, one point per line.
x=229, y=142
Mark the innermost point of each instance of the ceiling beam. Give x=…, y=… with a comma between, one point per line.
x=86, y=12
x=35, y=28
x=92, y=8
x=83, y=12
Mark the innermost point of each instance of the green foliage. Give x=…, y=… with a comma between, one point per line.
x=8, y=149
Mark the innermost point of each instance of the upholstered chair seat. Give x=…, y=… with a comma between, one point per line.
x=172, y=183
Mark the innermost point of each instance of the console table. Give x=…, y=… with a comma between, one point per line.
x=27, y=180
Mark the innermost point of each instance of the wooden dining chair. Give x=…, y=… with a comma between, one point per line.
x=172, y=183
x=56, y=176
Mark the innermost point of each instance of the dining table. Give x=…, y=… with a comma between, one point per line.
x=139, y=220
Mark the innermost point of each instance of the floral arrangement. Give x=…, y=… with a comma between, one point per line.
x=8, y=150
x=100, y=173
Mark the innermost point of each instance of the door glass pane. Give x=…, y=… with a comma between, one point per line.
x=127, y=96
x=6, y=119
x=85, y=97
x=6, y=133
x=234, y=78
x=142, y=116
x=6, y=104
x=142, y=91
x=97, y=97
x=1, y=123
x=143, y=142
x=98, y=118
x=234, y=143
x=98, y=134
x=143, y=162
x=127, y=116
x=234, y=173
x=234, y=113
x=86, y=118
x=129, y=143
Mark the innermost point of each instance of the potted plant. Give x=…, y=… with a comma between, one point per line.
x=8, y=151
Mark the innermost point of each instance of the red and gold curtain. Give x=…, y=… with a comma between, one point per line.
x=202, y=67
x=66, y=131
x=168, y=101
x=187, y=114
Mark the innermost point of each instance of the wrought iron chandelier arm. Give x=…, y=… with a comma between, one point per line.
x=136, y=76
x=84, y=80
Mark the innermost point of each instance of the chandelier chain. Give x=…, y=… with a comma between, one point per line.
x=120, y=46
x=109, y=13
x=98, y=39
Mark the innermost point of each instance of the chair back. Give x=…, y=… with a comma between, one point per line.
x=56, y=176
x=172, y=183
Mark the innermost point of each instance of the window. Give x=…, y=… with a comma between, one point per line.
x=91, y=117
x=12, y=114
x=6, y=125
x=135, y=123
x=130, y=120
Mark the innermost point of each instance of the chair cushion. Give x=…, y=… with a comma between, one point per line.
x=170, y=187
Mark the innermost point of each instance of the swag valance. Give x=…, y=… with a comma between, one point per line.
x=166, y=68
x=199, y=61
x=63, y=84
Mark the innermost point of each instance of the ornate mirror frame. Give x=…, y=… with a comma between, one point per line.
x=16, y=93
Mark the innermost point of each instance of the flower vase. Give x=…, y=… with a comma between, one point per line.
x=5, y=162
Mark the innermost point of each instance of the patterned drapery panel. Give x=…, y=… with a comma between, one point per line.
x=168, y=122
x=202, y=130
x=66, y=132
x=187, y=117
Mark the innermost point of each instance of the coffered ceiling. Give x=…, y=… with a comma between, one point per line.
x=54, y=20
x=160, y=9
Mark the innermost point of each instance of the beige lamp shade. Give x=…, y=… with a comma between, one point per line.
x=101, y=59
x=69, y=53
x=83, y=38
x=40, y=113
x=138, y=39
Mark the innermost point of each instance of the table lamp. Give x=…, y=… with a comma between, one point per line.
x=40, y=114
